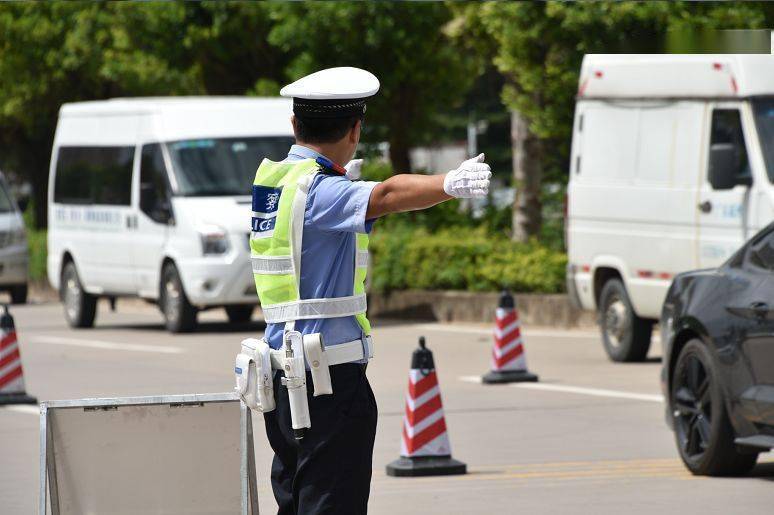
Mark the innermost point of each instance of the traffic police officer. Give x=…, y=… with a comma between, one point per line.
x=309, y=252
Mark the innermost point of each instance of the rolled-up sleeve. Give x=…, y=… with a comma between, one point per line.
x=338, y=204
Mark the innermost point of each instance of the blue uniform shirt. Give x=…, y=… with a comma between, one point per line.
x=335, y=211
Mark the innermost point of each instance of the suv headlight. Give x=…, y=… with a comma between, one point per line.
x=18, y=236
x=214, y=240
x=667, y=323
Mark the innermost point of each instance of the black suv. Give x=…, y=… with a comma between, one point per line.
x=718, y=369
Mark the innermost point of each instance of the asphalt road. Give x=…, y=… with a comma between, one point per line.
x=589, y=438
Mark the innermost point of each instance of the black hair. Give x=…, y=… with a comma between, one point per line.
x=324, y=130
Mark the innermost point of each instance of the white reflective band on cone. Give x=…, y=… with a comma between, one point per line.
x=361, y=259
x=315, y=308
x=276, y=265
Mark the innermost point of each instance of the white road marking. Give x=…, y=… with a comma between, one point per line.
x=29, y=410
x=544, y=333
x=96, y=344
x=553, y=333
x=595, y=392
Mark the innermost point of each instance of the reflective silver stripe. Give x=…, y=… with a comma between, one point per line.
x=361, y=259
x=315, y=308
x=272, y=264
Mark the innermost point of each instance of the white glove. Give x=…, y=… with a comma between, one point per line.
x=353, y=169
x=470, y=180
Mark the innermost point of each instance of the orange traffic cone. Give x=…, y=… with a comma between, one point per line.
x=425, y=448
x=509, y=361
x=11, y=374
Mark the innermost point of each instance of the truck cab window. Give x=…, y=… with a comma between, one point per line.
x=728, y=152
x=154, y=186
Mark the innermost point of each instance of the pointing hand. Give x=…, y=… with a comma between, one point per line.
x=470, y=180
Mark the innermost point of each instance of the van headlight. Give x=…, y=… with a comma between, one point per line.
x=214, y=240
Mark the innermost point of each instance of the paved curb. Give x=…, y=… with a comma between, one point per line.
x=553, y=310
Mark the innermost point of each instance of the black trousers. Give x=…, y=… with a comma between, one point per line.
x=329, y=470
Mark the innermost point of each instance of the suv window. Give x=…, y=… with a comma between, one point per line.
x=94, y=175
x=727, y=129
x=154, y=185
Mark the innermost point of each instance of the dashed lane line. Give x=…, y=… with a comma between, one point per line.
x=97, y=344
x=580, y=390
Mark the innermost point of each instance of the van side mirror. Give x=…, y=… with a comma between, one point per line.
x=725, y=167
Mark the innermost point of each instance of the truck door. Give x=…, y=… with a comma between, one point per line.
x=724, y=195
x=153, y=219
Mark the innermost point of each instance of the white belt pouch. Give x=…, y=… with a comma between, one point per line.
x=254, y=375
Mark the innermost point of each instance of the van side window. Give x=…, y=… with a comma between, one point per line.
x=94, y=175
x=727, y=130
x=154, y=188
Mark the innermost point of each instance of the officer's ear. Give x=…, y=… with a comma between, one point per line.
x=354, y=133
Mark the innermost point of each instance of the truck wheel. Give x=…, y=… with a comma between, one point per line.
x=705, y=438
x=239, y=313
x=626, y=336
x=80, y=307
x=179, y=314
x=19, y=294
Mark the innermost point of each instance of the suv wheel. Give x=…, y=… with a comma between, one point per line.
x=80, y=307
x=626, y=336
x=179, y=314
x=705, y=438
x=240, y=313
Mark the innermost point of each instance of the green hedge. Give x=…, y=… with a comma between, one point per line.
x=36, y=240
x=462, y=259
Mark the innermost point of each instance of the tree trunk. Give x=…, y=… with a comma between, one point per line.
x=399, y=153
x=527, y=176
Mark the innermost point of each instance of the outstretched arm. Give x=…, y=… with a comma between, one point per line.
x=407, y=192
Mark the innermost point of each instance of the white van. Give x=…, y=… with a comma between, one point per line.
x=151, y=197
x=672, y=169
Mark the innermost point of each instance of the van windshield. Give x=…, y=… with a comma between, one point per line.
x=764, y=119
x=222, y=166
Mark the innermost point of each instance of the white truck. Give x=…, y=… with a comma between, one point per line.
x=151, y=197
x=672, y=169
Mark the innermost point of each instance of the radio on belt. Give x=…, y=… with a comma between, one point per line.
x=295, y=382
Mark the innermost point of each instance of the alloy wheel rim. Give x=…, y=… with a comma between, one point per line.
x=72, y=296
x=616, y=322
x=692, y=403
x=172, y=299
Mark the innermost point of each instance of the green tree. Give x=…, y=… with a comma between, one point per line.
x=421, y=72
x=539, y=48
x=57, y=52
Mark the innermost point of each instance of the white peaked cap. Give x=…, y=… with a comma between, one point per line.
x=334, y=84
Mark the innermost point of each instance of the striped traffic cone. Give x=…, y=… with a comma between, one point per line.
x=11, y=374
x=425, y=449
x=509, y=362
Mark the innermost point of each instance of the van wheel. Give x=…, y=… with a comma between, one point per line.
x=179, y=314
x=240, y=313
x=704, y=436
x=80, y=307
x=19, y=294
x=626, y=336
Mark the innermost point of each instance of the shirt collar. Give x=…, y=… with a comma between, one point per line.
x=302, y=152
